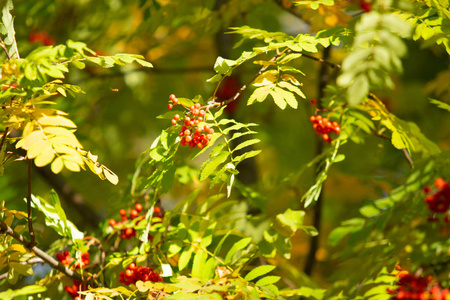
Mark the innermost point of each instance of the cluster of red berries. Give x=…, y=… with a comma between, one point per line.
x=438, y=200
x=135, y=273
x=65, y=258
x=324, y=126
x=74, y=289
x=128, y=233
x=192, y=134
x=417, y=287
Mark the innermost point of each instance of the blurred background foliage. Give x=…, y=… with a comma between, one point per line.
x=116, y=117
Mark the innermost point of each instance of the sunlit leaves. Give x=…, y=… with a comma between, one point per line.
x=378, y=50
x=55, y=216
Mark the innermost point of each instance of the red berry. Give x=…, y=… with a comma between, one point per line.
x=187, y=119
x=337, y=129
x=170, y=106
x=176, y=117
x=188, y=139
x=157, y=209
x=200, y=145
x=122, y=212
x=138, y=207
x=312, y=118
x=172, y=97
x=187, y=132
x=173, y=122
x=134, y=213
x=112, y=222
x=440, y=183
x=197, y=105
x=202, y=112
x=313, y=102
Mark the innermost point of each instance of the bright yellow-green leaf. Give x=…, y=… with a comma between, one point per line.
x=113, y=178
x=56, y=121
x=72, y=166
x=38, y=148
x=44, y=158
x=33, y=138
x=57, y=165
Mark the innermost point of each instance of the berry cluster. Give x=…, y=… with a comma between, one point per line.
x=192, y=134
x=135, y=273
x=417, y=287
x=438, y=200
x=324, y=126
x=128, y=233
x=65, y=258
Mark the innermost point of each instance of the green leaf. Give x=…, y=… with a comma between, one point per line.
x=241, y=244
x=185, y=257
x=199, y=263
x=289, y=222
x=211, y=165
x=358, y=90
x=259, y=271
x=440, y=104
x=268, y=280
x=246, y=144
x=260, y=94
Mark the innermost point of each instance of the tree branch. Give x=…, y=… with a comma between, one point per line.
x=4, y=228
x=314, y=245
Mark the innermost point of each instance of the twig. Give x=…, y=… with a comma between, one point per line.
x=2, y=44
x=34, y=260
x=321, y=60
x=4, y=228
x=30, y=218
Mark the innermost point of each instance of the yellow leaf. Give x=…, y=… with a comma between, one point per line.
x=38, y=148
x=265, y=62
x=78, y=159
x=72, y=166
x=29, y=140
x=56, y=121
x=57, y=165
x=44, y=158
x=113, y=178
x=290, y=78
x=17, y=247
x=266, y=78
x=92, y=157
x=65, y=140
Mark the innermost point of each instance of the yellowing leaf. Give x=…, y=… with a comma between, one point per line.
x=56, y=121
x=266, y=78
x=29, y=140
x=44, y=158
x=57, y=165
x=72, y=166
x=38, y=148
x=113, y=178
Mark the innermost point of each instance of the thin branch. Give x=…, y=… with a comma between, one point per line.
x=4, y=228
x=2, y=44
x=31, y=261
x=30, y=218
x=2, y=142
x=321, y=60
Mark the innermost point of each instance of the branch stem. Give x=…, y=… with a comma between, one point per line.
x=4, y=228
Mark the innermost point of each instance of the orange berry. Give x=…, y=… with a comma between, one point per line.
x=176, y=117
x=122, y=212
x=157, y=209
x=211, y=131
x=132, y=266
x=440, y=183
x=201, y=112
x=312, y=118
x=188, y=138
x=134, y=213
x=197, y=105
x=200, y=145
x=170, y=106
x=138, y=207
x=172, y=97
x=173, y=122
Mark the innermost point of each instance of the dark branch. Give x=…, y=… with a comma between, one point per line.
x=4, y=228
x=314, y=245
